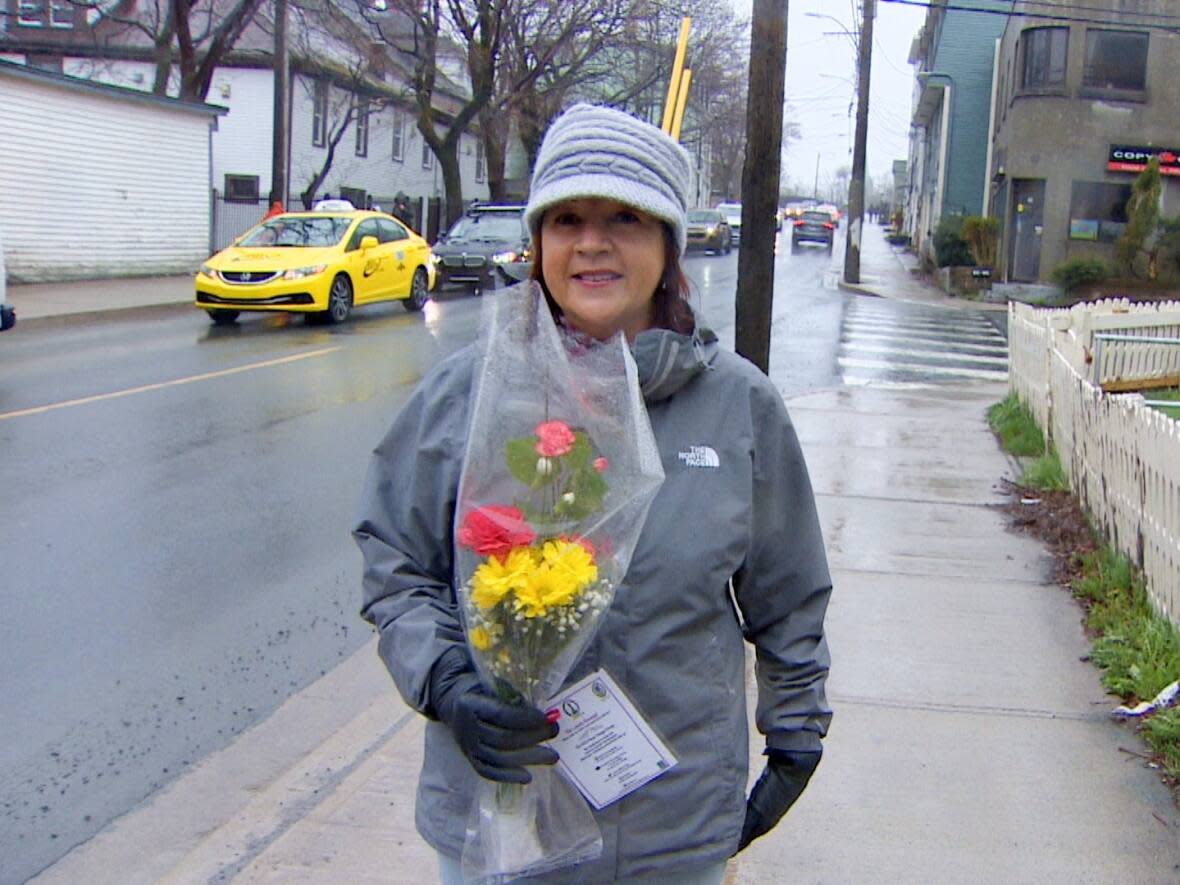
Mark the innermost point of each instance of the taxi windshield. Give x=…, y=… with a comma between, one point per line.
x=298, y=231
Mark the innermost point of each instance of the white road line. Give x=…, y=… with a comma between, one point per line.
x=929, y=354
x=951, y=328
x=206, y=376
x=982, y=349
x=855, y=363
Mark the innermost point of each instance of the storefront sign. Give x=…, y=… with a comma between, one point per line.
x=1129, y=158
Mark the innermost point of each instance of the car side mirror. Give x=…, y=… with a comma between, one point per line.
x=368, y=242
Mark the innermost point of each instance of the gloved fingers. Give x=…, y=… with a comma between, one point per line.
x=509, y=765
x=516, y=717
x=514, y=739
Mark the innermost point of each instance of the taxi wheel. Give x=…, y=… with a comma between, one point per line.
x=418, y=296
x=222, y=317
x=339, y=300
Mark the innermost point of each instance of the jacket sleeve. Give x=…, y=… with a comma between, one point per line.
x=783, y=587
x=405, y=528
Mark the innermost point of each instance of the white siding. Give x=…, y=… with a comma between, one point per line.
x=242, y=142
x=96, y=185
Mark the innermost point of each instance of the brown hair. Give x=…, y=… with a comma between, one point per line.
x=670, y=308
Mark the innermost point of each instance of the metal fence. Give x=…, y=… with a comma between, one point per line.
x=232, y=218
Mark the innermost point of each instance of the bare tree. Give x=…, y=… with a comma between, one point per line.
x=424, y=30
x=193, y=35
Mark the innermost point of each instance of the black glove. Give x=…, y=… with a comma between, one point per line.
x=498, y=738
x=783, y=781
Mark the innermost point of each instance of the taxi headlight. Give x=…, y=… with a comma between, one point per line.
x=208, y=271
x=504, y=257
x=298, y=273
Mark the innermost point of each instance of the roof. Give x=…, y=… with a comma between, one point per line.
x=122, y=93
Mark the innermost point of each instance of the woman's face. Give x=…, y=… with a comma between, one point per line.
x=602, y=262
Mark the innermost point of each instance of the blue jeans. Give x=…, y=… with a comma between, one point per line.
x=449, y=873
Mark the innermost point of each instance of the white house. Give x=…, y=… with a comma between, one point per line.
x=100, y=181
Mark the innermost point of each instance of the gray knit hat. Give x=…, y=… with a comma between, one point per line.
x=592, y=151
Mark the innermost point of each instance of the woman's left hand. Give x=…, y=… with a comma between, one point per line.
x=783, y=782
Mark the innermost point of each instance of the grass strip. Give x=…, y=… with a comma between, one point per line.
x=1137, y=648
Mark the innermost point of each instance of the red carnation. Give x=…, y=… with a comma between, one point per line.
x=554, y=439
x=495, y=530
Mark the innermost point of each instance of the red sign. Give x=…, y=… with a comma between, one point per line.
x=1131, y=158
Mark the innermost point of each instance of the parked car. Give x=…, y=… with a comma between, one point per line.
x=319, y=263
x=813, y=226
x=485, y=249
x=733, y=215
x=709, y=230
x=7, y=313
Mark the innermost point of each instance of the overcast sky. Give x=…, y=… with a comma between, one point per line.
x=821, y=78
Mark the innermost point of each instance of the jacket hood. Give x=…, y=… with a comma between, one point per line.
x=668, y=360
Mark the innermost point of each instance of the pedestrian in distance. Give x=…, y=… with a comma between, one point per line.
x=731, y=550
x=276, y=208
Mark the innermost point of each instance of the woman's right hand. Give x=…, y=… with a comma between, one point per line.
x=499, y=739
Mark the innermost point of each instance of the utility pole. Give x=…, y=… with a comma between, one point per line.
x=760, y=181
x=281, y=125
x=815, y=190
x=856, y=187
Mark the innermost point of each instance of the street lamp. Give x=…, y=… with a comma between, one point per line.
x=944, y=156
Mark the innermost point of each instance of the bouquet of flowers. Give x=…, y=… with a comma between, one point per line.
x=559, y=472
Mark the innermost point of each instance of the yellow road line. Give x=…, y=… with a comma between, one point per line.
x=221, y=373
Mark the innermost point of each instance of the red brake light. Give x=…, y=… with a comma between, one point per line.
x=829, y=225
x=799, y=223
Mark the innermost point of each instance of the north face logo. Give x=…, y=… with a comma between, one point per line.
x=699, y=456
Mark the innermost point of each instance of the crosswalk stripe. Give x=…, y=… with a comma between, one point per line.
x=995, y=350
x=987, y=331
x=927, y=354
x=892, y=366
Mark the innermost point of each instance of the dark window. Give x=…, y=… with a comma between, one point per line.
x=1043, y=58
x=61, y=14
x=362, y=127
x=399, y=127
x=355, y=195
x=480, y=164
x=390, y=231
x=1098, y=210
x=1115, y=60
x=427, y=156
x=319, y=114
x=367, y=228
x=31, y=13
x=241, y=188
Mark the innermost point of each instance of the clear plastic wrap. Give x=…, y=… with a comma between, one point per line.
x=559, y=472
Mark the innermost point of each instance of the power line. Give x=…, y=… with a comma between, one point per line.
x=1045, y=16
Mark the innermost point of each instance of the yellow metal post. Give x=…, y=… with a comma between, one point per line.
x=674, y=81
x=681, y=101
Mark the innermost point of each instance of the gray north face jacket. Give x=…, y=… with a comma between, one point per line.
x=736, y=506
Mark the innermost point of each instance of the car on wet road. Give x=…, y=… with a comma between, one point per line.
x=813, y=226
x=708, y=230
x=320, y=263
x=487, y=248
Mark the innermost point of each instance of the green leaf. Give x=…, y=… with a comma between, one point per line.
x=521, y=459
x=588, y=488
x=579, y=456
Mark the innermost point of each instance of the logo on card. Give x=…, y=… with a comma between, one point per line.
x=699, y=456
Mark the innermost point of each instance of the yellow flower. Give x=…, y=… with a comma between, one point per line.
x=572, y=560
x=481, y=639
x=494, y=579
x=545, y=588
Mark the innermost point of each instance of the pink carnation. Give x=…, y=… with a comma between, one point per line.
x=495, y=530
x=554, y=438
x=600, y=464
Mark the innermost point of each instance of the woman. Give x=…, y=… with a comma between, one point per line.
x=731, y=549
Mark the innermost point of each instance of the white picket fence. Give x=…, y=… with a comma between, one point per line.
x=1122, y=458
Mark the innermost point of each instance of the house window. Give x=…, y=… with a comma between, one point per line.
x=1043, y=60
x=319, y=114
x=31, y=13
x=241, y=188
x=1098, y=210
x=399, y=141
x=427, y=156
x=61, y=14
x=362, y=127
x=480, y=162
x=1115, y=60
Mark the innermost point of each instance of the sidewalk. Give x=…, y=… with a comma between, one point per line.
x=892, y=272
x=34, y=301
x=970, y=742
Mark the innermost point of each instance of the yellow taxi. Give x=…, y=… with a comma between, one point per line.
x=321, y=263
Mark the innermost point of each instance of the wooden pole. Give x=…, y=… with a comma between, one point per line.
x=760, y=177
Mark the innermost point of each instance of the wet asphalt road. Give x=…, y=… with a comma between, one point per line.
x=175, y=502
